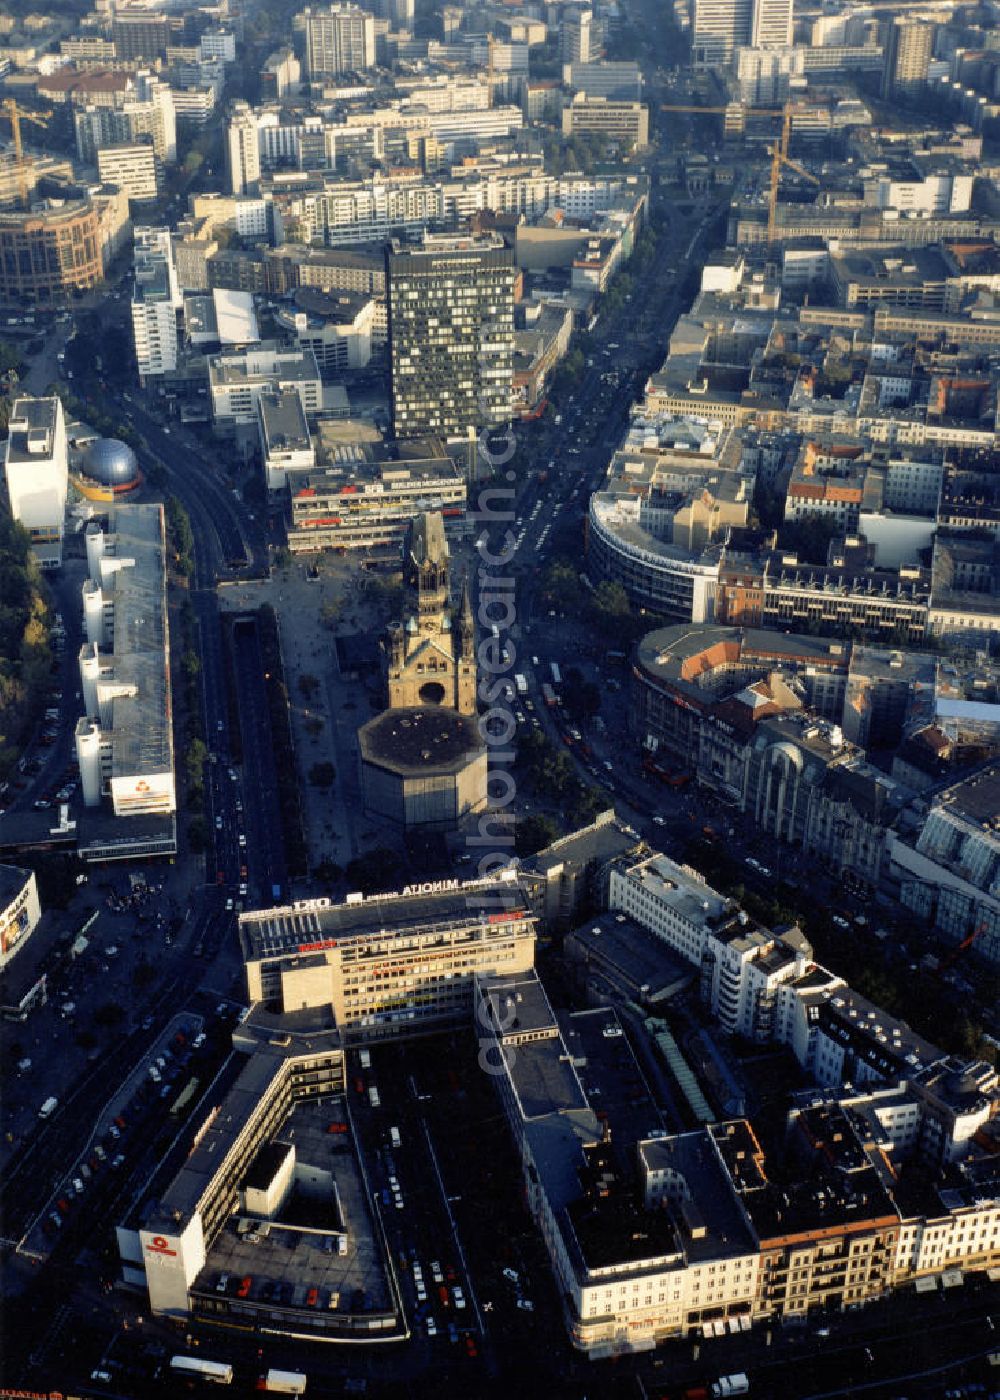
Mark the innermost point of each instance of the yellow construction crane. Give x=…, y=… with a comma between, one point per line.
x=778, y=152
x=15, y=115
x=780, y=157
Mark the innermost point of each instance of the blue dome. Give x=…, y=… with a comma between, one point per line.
x=111, y=462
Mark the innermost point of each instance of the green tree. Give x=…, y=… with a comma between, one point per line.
x=533, y=833
x=308, y=686
x=561, y=587
x=10, y=358
x=375, y=870
x=331, y=612
x=197, y=833
x=322, y=775
x=194, y=763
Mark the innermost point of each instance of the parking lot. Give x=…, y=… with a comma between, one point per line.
x=293, y=1260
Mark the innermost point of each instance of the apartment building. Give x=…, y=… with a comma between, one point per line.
x=242, y=150
x=827, y=482
x=393, y=964
x=942, y=868
x=144, y=111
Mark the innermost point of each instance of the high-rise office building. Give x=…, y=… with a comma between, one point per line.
x=771, y=26
x=339, y=40
x=908, y=49
x=719, y=28
x=242, y=150
x=577, y=36
x=451, y=333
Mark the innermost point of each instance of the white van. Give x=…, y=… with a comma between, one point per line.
x=394, y=1137
x=365, y=1059
x=373, y=1097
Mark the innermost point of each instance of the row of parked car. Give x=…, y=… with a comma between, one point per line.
x=103, y=1154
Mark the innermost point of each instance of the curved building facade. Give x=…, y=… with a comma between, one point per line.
x=661, y=577
x=50, y=251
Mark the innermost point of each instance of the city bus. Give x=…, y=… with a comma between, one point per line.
x=185, y=1096
x=218, y=1372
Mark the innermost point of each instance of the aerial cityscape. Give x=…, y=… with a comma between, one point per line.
x=500, y=699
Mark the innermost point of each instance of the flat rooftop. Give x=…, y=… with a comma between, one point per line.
x=716, y=1226
x=828, y=1183
x=141, y=731
x=265, y=362
x=284, y=421
x=420, y=740
x=627, y=955
x=293, y=1251
x=612, y=1080
x=310, y=925
x=976, y=797
x=605, y=838
x=32, y=430
x=12, y=881
x=678, y=887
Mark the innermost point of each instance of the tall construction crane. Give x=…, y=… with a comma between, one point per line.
x=490, y=42
x=15, y=115
x=780, y=157
x=778, y=152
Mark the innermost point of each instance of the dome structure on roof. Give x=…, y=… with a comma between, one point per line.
x=112, y=463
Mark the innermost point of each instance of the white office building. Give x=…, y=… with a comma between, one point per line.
x=133, y=168
x=218, y=43
x=772, y=24
x=236, y=382
x=285, y=444
x=673, y=901
x=719, y=28
x=242, y=150
x=36, y=470
x=154, y=318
